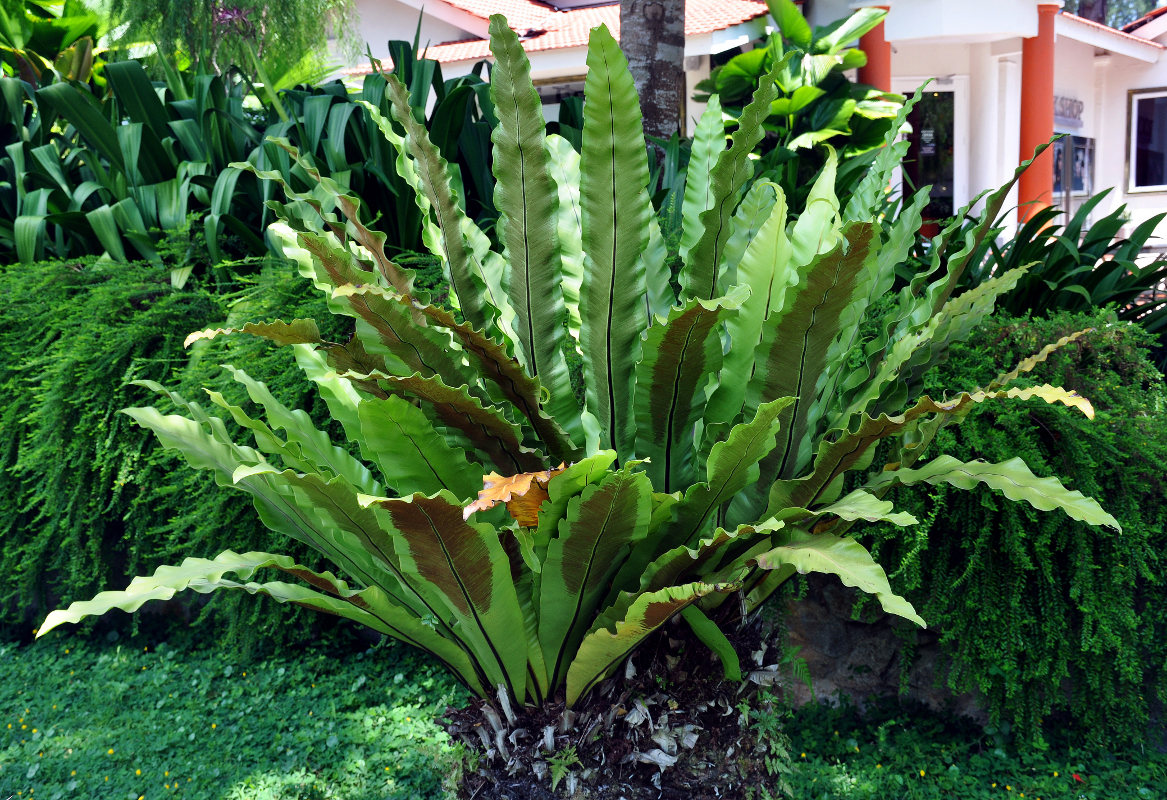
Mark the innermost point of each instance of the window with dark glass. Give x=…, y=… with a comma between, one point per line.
x=931, y=158
x=1148, y=150
x=1073, y=171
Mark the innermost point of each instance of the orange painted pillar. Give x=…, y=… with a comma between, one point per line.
x=877, y=71
x=1035, y=189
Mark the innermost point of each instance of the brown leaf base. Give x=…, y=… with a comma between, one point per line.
x=672, y=728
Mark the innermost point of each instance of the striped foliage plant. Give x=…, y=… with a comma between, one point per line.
x=530, y=525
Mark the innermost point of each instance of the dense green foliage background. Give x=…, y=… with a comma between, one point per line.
x=1042, y=614
x=86, y=499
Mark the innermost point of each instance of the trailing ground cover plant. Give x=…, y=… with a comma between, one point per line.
x=531, y=536
x=87, y=498
x=1047, y=618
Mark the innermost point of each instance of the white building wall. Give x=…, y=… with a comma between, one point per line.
x=387, y=20
x=1119, y=77
x=1074, y=79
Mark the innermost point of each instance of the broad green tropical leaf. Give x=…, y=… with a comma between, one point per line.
x=840, y=556
x=468, y=278
x=615, y=210
x=732, y=466
x=528, y=201
x=681, y=355
x=603, y=649
x=1011, y=478
x=298, y=331
x=767, y=269
x=712, y=637
x=792, y=356
x=602, y=524
x=410, y=454
x=699, y=275
x=708, y=144
x=464, y=565
x=564, y=168
x=333, y=596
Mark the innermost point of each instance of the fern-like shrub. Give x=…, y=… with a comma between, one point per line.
x=478, y=511
x=1042, y=614
x=86, y=498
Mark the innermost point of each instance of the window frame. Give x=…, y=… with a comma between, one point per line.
x=1133, y=97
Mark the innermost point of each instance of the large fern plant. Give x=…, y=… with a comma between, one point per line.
x=530, y=535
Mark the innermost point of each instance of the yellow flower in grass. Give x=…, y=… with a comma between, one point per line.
x=922, y=773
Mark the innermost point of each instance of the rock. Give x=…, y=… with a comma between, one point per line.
x=863, y=659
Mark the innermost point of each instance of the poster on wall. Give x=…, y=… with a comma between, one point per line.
x=1073, y=166
x=1059, y=148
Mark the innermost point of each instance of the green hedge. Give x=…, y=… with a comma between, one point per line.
x=1044, y=615
x=86, y=498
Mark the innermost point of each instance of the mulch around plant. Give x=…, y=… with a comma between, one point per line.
x=670, y=728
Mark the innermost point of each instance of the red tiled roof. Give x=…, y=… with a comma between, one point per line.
x=557, y=30
x=544, y=28
x=1114, y=31
x=520, y=14
x=1131, y=27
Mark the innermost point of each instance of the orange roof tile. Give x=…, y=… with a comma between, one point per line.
x=519, y=13
x=544, y=28
x=557, y=30
x=1131, y=27
x=1124, y=34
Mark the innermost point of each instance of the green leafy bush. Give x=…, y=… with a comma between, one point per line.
x=816, y=102
x=84, y=500
x=42, y=40
x=1074, y=265
x=1079, y=266
x=1045, y=616
x=72, y=334
x=117, y=173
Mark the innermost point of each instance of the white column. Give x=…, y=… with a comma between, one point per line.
x=1009, y=132
x=984, y=105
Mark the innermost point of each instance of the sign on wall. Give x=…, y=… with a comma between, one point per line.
x=1068, y=111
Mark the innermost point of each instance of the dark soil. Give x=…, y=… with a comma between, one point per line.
x=674, y=707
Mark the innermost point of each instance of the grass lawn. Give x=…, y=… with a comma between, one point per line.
x=90, y=719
